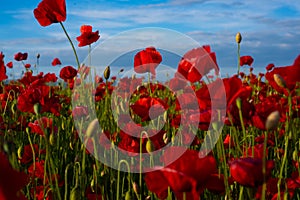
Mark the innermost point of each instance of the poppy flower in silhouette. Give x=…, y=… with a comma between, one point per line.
x=9, y=65
x=55, y=62
x=87, y=36
x=246, y=60
x=50, y=11
x=147, y=60
x=20, y=56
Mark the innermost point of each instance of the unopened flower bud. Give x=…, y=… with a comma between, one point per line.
x=128, y=195
x=149, y=146
x=37, y=108
x=92, y=128
x=295, y=155
x=20, y=152
x=107, y=73
x=38, y=56
x=52, y=139
x=136, y=188
x=238, y=38
x=279, y=80
x=273, y=120
x=75, y=194
x=239, y=103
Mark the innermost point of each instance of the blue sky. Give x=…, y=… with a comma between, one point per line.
x=270, y=29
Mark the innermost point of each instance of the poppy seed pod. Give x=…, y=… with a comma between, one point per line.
x=238, y=38
x=106, y=73
x=272, y=120
x=279, y=80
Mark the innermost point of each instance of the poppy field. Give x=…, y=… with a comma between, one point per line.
x=81, y=135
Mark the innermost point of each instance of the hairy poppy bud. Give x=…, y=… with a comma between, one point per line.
x=52, y=139
x=136, y=188
x=37, y=108
x=238, y=38
x=92, y=128
x=106, y=73
x=128, y=195
x=20, y=152
x=279, y=80
x=273, y=120
x=149, y=146
x=75, y=194
x=38, y=56
x=239, y=103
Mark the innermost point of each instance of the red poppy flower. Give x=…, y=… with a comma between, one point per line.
x=20, y=56
x=41, y=125
x=28, y=154
x=37, y=171
x=263, y=109
x=67, y=73
x=246, y=60
x=197, y=63
x=290, y=75
x=183, y=176
x=50, y=11
x=11, y=181
x=9, y=65
x=87, y=36
x=3, y=75
x=248, y=171
x=80, y=111
x=55, y=62
x=149, y=108
x=27, y=66
x=147, y=60
x=38, y=92
x=270, y=66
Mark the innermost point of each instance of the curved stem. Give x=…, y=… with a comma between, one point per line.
x=72, y=45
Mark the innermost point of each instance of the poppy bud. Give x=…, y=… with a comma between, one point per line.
x=149, y=146
x=75, y=194
x=52, y=139
x=136, y=188
x=238, y=38
x=128, y=195
x=37, y=108
x=93, y=185
x=295, y=155
x=166, y=138
x=279, y=80
x=92, y=128
x=20, y=152
x=106, y=73
x=272, y=120
x=38, y=56
x=239, y=103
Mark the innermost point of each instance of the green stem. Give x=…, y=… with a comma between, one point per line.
x=264, y=186
x=72, y=45
x=239, y=61
x=118, y=180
